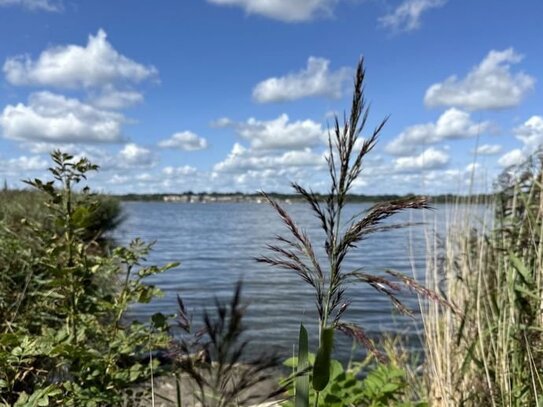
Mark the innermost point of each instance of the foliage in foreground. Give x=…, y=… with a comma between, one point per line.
x=62, y=336
x=329, y=279
x=385, y=385
x=491, y=354
x=215, y=360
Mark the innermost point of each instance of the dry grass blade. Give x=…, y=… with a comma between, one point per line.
x=312, y=199
x=358, y=334
x=376, y=214
x=386, y=287
x=421, y=290
x=299, y=235
x=216, y=359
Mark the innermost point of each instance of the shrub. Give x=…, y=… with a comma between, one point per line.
x=62, y=336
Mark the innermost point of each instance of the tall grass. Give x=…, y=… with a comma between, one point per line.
x=491, y=351
x=214, y=360
x=294, y=251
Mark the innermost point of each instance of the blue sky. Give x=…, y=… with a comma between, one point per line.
x=235, y=95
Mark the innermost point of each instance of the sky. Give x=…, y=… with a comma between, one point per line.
x=237, y=95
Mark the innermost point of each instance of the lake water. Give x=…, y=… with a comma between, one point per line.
x=217, y=243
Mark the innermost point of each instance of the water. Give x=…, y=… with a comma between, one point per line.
x=217, y=243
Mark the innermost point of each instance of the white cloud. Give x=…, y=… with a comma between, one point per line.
x=23, y=164
x=117, y=179
x=73, y=66
x=133, y=155
x=472, y=167
x=55, y=118
x=42, y=147
x=112, y=98
x=242, y=159
x=222, y=122
x=489, y=85
x=315, y=80
x=179, y=171
x=488, y=149
x=513, y=157
x=186, y=141
x=531, y=134
x=283, y=10
x=452, y=124
x=407, y=16
x=429, y=159
x=144, y=177
x=35, y=5
x=279, y=133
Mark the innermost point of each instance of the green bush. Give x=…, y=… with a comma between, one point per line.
x=385, y=385
x=18, y=206
x=63, y=340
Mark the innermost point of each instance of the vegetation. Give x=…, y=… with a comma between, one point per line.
x=63, y=340
x=213, y=357
x=491, y=352
x=65, y=289
x=385, y=385
x=329, y=280
x=16, y=206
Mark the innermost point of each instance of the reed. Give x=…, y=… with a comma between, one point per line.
x=490, y=353
x=214, y=359
x=294, y=251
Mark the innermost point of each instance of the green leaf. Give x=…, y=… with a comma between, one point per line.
x=521, y=268
x=321, y=369
x=302, y=381
x=160, y=321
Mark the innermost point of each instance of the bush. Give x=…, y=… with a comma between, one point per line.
x=18, y=206
x=62, y=335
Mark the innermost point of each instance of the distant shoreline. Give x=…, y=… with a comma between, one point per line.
x=288, y=198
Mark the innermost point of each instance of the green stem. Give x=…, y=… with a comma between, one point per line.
x=69, y=243
x=333, y=267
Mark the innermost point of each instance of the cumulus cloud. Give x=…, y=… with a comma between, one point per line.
x=186, y=141
x=283, y=10
x=34, y=5
x=133, y=155
x=489, y=85
x=23, y=164
x=278, y=133
x=43, y=147
x=472, y=167
x=112, y=98
x=54, y=118
x=488, y=149
x=530, y=133
x=118, y=179
x=452, y=124
x=242, y=159
x=513, y=157
x=73, y=66
x=407, y=16
x=179, y=171
x=315, y=80
x=429, y=159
